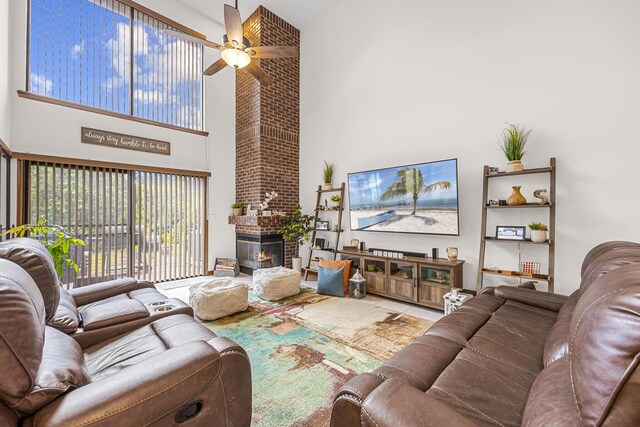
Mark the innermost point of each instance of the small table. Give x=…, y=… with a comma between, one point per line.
x=452, y=302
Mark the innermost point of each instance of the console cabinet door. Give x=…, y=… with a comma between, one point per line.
x=403, y=280
x=375, y=271
x=434, y=283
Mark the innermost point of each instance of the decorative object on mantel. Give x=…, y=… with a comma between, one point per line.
x=538, y=232
x=237, y=208
x=296, y=228
x=544, y=200
x=514, y=140
x=327, y=175
x=452, y=253
x=127, y=142
x=516, y=197
x=236, y=49
x=264, y=206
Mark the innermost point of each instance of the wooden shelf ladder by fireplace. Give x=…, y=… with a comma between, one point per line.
x=333, y=250
x=551, y=243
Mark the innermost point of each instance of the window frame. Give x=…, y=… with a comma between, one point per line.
x=61, y=102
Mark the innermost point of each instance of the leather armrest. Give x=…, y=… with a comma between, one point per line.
x=113, y=313
x=539, y=299
x=140, y=394
x=396, y=403
x=99, y=291
x=348, y=401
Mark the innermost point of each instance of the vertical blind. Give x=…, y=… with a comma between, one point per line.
x=140, y=224
x=107, y=55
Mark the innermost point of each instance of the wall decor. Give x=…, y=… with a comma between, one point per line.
x=544, y=200
x=319, y=243
x=510, y=232
x=127, y=142
x=516, y=197
x=322, y=225
x=355, y=242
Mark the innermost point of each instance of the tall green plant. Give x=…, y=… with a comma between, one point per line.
x=297, y=227
x=327, y=172
x=514, y=139
x=56, y=239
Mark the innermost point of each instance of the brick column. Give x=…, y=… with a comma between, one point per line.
x=268, y=124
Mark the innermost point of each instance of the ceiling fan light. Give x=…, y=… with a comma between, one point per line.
x=236, y=58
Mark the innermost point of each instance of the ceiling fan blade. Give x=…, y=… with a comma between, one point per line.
x=273, y=52
x=233, y=24
x=219, y=65
x=192, y=39
x=257, y=72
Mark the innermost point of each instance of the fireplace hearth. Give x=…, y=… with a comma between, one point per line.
x=259, y=251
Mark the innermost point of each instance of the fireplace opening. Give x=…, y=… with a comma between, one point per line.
x=259, y=251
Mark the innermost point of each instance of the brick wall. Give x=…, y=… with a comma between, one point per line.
x=268, y=125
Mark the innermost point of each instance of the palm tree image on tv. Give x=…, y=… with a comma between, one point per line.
x=411, y=182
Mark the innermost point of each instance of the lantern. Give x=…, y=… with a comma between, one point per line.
x=357, y=286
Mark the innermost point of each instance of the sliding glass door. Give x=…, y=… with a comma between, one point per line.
x=148, y=225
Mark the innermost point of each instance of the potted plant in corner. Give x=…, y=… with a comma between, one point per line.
x=237, y=208
x=538, y=232
x=514, y=139
x=296, y=228
x=327, y=175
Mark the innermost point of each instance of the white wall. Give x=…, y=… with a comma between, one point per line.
x=48, y=129
x=5, y=80
x=424, y=80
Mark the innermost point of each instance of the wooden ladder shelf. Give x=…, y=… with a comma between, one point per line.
x=333, y=250
x=551, y=243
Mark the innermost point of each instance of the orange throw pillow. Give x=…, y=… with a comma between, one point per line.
x=337, y=265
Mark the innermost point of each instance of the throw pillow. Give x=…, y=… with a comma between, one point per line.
x=330, y=281
x=346, y=264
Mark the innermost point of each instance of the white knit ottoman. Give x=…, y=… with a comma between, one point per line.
x=273, y=284
x=218, y=297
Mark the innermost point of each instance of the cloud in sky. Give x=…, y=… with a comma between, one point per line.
x=41, y=85
x=76, y=50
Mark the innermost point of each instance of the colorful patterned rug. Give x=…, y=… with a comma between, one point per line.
x=302, y=349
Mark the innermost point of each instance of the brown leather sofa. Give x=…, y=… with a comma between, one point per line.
x=91, y=314
x=511, y=357
x=172, y=371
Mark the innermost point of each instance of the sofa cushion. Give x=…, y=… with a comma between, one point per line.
x=557, y=342
x=37, y=261
x=62, y=369
x=601, y=249
x=22, y=324
x=345, y=263
x=111, y=356
x=67, y=317
x=551, y=400
x=330, y=281
x=607, y=262
x=604, y=348
x=113, y=313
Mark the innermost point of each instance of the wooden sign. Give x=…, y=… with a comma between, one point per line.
x=128, y=142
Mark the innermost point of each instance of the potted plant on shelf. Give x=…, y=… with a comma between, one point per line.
x=296, y=228
x=336, y=202
x=57, y=241
x=237, y=208
x=514, y=139
x=327, y=175
x=538, y=232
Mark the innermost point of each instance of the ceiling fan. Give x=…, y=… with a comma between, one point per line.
x=236, y=49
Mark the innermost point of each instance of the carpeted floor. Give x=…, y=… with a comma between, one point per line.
x=302, y=349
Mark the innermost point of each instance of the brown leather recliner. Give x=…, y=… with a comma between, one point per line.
x=172, y=371
x=511, y=357
x=91, y=314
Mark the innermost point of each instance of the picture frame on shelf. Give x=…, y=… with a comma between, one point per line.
x=319, y=243
x=510, y=232
x=322, y=225
x=355, y=242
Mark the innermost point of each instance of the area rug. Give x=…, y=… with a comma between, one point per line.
x=302, y=349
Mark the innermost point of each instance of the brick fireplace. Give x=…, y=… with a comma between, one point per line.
x=268, y=129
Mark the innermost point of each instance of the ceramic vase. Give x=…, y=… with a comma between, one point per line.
x=538, y=236
x=514, y=166
x=516, y=197
x=296, y=263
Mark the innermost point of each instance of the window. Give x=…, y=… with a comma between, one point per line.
x=112, y=55
x=144, y=224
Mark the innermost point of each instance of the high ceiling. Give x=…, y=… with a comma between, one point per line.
x=296, y=12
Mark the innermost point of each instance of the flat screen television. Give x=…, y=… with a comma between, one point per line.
x=420, y=198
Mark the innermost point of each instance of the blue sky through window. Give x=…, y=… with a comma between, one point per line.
x=80, y=51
